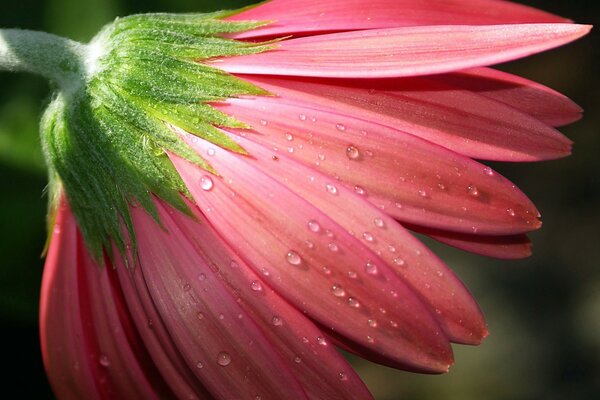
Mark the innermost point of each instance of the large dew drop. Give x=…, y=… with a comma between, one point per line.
x=206, y=183
x=223, y=359
x=293, y=258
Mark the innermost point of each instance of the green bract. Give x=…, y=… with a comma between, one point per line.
x=106, y=138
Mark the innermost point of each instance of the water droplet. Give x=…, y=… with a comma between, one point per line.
x=326, y=270
x=352, y=274
x=265, y=271
x=199, y=365
x=359, y=190
x=352, y=152
x=202, y=277
x=314, y=226
x=441, y=186
x=263, y=122
x=511, y=212
x=488, y=171
x=352, y=302
x=187, y=287
x=372, y=323
x=379, y=222
x=256, y=286
x=394, y=324
x=313, y=119
x=338, y=291
x=223, y=359
x=331, y=188
x=370, y=339
x=423, y=193
x=293, y=258
x=289, y=137
x=368, y=237
x=104, y=361
x=342, y=376
x=276, y=320
x=321, y=157
x=302, y=117
x=200, y=315
x=321, y=341
x=297, y=360
x=206, y=183
x=309, y=244
x=340, y=127
x=473, y=191
x=333, y=247
x=391, y=248
x=371, y=268
x=399, y=261
x=211, y=152
x=221, y=317
x=328, y=233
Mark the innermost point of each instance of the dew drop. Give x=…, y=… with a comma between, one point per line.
x=394, y=324
x=223, y=359
x=202, y=276
x=333, y=247
x=314, y=226
x=422, y=193
x=187, y=287
x=326, y=270
x=352, y=302
x=368, y=237
x=399, y=261
x=359, y=190
x=206, y=183
x=340, y=127
x=293, y=258
x=302, y=117
x=263, y=122
x=352, y=152
x=321, y=157
x=511, y=212
x=200, y=315
x=488, y=171
x=372, y=323
x=379, y=222
x=338, y=291
x=104, y=361
x=309, y=244
x=392, y=248
x=473, y=191
x=370, y=339
x=371, y=268
x=352, y=274
x=276, y=320
x=256, y=286
x=342, y=376
x=441, y=186
x=199, y=365
x=297, y=360
x=211, y=152
x=321, y=341
x=331, y=188
x=289, y=137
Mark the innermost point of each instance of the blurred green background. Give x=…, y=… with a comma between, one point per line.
x=543, y=312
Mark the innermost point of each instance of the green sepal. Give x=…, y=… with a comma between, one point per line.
x=107, y=142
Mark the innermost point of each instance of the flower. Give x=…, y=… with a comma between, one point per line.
x=217, y=236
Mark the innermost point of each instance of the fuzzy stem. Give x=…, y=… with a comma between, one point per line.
x=58, y=59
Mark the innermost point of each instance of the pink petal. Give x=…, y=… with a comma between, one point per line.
x=504, y=247
x=414, y=180
x=461, y=120
x=316, y=271
x=302, y=17
x=322, y=371
x=228, y=353
x=406, y=51
x=529, y=97
x=90, y=349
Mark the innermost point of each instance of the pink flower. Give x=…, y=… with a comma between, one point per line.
x=302, y=244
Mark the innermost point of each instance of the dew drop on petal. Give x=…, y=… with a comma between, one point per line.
x=104, y=361
x=206, y=183
x=340, y=127
x=352, y=302
x=199, y=365
x=338, y=291
x=202, y=276
x=352, y=152
x=289, y=137
x=422, y=193
x=331, y=188
x=399, y=261
x=276, y=320
x=326, y=270
x=333, y=247
x=352, y=274
x=488, y=171
x=372, y=323
x=309, y=244
x=211, y=152
x=342, y=376
x=223, y=359
x=256, y=286
x=473, y=191
x=370, y=339
x=314, y=226
x=293, y=258
x=379, y=222
x=359, y=190
x=200, y=315
x=368, y=237
x=371, y=268
x=297, y=360
x=321, y=341
x=263, y=122
x=511, y=212
x=302, y=117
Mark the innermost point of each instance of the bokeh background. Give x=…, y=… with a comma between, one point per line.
x=543, y=312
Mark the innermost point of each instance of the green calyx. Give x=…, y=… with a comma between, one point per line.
x=106, y=139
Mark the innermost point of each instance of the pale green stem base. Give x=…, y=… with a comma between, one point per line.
x=58, y=59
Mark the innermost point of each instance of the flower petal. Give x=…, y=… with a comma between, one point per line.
x=327, y=272
x=302, y=17
x=229, y=354
x=406, y=51
x=414, y=180
x=529, y=97
x=90, y=349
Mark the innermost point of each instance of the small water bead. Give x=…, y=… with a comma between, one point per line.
x=370, y=339
x=328, y=233
x=393, y=293
x=352, y=152
x=423, y=193
x=221, y=317
x=372, y=323
x=333, y=247
x=223, y=359
x=305, y=340
x=302, y=117
x=321, y=341
x=321, y=157
x=352, y=274
x=293, y=258
x=276, y=320
x=263, y=122
x=202, y=276
x=338, y=291
x=256, y=286
x=289, y=137
x=392, y=248
x=314, y=226
x=488, y=171
x=342, y=376
x=206, y=183
x=313, y=119
x=352, y=302
x=359, y=190
x=199, y=365
x=511, y=212
x=340, y=127
x=200, y=315
x=309, y=244
x=473, y=191
x=371, y=268
x=379, y=222
x=104, y=361
x=393, y=324
x=290, y=149
x=265, y=271
x=187, y=287
x=297, y=360
x=326, y=270
x=331, y=188
x=441, y=186
x=211, y=152
x=368, y=237
x=399, y=261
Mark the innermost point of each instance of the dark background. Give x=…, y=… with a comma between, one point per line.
x=543, y=312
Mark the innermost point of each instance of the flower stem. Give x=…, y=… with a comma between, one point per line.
x=58, y=59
